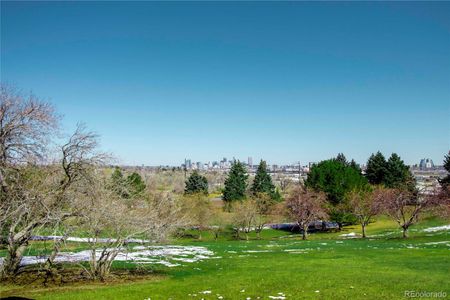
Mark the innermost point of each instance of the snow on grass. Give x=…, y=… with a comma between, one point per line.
x=438, y=228
x=437, y=243
x=278, y=297
x=349, y=235
x=140, y=254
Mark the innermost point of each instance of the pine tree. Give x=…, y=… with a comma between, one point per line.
x=445, y=182
x=447, y=162
x=235, y=184
x=341, y=158
x=376, y=168
x=118, y=183
x=117, y=176
x=355, y=166
x=396, y=172
x=263, y=182
x=196, y=183
x=135, y=184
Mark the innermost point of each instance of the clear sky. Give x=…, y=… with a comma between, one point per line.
x=283, y=81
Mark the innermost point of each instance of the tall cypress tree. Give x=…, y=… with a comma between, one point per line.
x=376, y=168
x=235, y=184
x=263, y=182
x=196, y=183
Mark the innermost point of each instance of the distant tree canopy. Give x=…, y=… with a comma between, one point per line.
x=236, y=183
x=392, y=173
x=196, y=183
x=334, y=179
x=263, y=183
x=135, y=184
x=341, y=158
x=131, y=186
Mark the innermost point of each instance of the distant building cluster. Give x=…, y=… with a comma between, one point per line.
x=426, y=164
x=225, y=164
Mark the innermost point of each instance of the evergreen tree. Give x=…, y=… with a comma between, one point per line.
x=341, y=158
x=336, y=180
x=263, y=182
x=118, y=183
x=196, y=183
x=396, y=172
x=117, y=176
x=355, y=166
x=447, y=162
x=445, y=182
x=376, y=168
x=135, y=184
x=235, y=184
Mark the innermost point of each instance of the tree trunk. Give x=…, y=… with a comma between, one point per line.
x=405, y=232
x=258, y=234
x=363, y=226
x=246, y=235
x=305, y=232
x=11, y=264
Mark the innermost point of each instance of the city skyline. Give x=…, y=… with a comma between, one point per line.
x=286, y=82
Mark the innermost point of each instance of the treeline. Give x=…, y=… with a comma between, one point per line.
x=335, y=189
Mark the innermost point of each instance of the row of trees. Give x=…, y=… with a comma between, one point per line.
x=386, y=187
x=336, y=190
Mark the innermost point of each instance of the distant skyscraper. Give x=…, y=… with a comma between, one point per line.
x=426, y=163
x=250, y=161
x=188, y=164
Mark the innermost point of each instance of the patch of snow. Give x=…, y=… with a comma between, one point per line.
x=84, y=240
x=349, y=235
x=146, y=255
x=437, y=243
x=438, y=228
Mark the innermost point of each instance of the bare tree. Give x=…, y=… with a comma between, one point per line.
x=35, y=192
x=107, y=216
x=219, y=221
x=198, y=209
x=405, y=207
x=364, y=205
x=305, y=206
x=263, y=206
x=244, y=214
x=26, y=127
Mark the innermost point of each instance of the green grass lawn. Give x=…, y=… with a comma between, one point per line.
x=325, y=267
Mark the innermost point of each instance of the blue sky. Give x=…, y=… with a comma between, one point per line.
x=283, y=81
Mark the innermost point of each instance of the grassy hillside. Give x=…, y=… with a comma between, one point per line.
x=383, y=266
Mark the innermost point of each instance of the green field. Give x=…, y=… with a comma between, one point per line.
x=328, y=266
